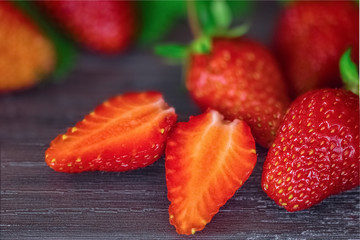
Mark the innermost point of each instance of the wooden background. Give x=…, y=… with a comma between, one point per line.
x=38, y=203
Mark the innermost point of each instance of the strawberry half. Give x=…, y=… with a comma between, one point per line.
x=316, y=151
x=207, y=160
x=124, y=133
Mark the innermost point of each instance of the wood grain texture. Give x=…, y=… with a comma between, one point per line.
x=38, y=203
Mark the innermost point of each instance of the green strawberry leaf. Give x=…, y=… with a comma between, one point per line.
x=208, y=19
x=205, y=18
x=235, y=32
x=349, y=72
x=221, y=14
x=241, y=8
x=201, y=45
x=172, y=51
x=157, y=18
x=65, y=50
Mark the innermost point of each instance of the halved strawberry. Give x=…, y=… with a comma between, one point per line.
x=207, y=160
x=124, y=133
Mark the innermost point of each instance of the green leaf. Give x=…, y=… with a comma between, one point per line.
x=205, y=17
x=221, y=14
x=241, y=8
x=202, y=45
x=173, y=51
x=349, y=72
x=235, y=32
x=65, y=50
x=157, y=18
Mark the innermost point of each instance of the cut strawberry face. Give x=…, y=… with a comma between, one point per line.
x=124, y=133
x=207, y=160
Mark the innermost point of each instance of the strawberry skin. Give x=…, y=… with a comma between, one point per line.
x=207, y=160
x=316, y=151
x=26, y=55
x=103, y=26
x=124, y=133
x=240, y=79
x=310, y=38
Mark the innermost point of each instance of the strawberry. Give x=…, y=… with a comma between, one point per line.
x=316, y=151
x=102, y=26
x=207, y=160
x=241, y=79
x=124, y=133
x=309, y=39
x=20, y=38
x=232, y=74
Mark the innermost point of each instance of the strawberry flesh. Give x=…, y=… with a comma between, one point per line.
x=207, y=160
x=316, y=151
x=124, y=133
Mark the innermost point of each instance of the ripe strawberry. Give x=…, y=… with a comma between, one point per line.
x=316, y=151
x=124, y=133
x=236, y=76
x=207, y=160
x=26, y=55
x=240, y=79
x=103, y=26
x=310, y=38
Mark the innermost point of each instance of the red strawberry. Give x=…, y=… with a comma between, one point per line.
x=240, y=79
x=310, y=38
x=103, y=26
x=207, y=160
x=124, y=133
x=26, y=55
x=316, y=151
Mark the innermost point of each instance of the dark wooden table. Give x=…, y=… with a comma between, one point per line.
x=38, y=203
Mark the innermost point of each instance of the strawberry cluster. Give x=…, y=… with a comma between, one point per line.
x=313, y=141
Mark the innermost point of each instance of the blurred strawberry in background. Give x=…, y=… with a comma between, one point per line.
x=26, y=54
x=310, y=38
x=103, y=26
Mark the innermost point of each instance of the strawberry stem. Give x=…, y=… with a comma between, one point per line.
x=349, y=72
x=193, y=18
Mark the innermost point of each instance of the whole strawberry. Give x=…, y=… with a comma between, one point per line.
x=241, y=79
x=316, y=151
x=26, y=55
x=310, y=38
x=102, y=26
x=237, y=77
